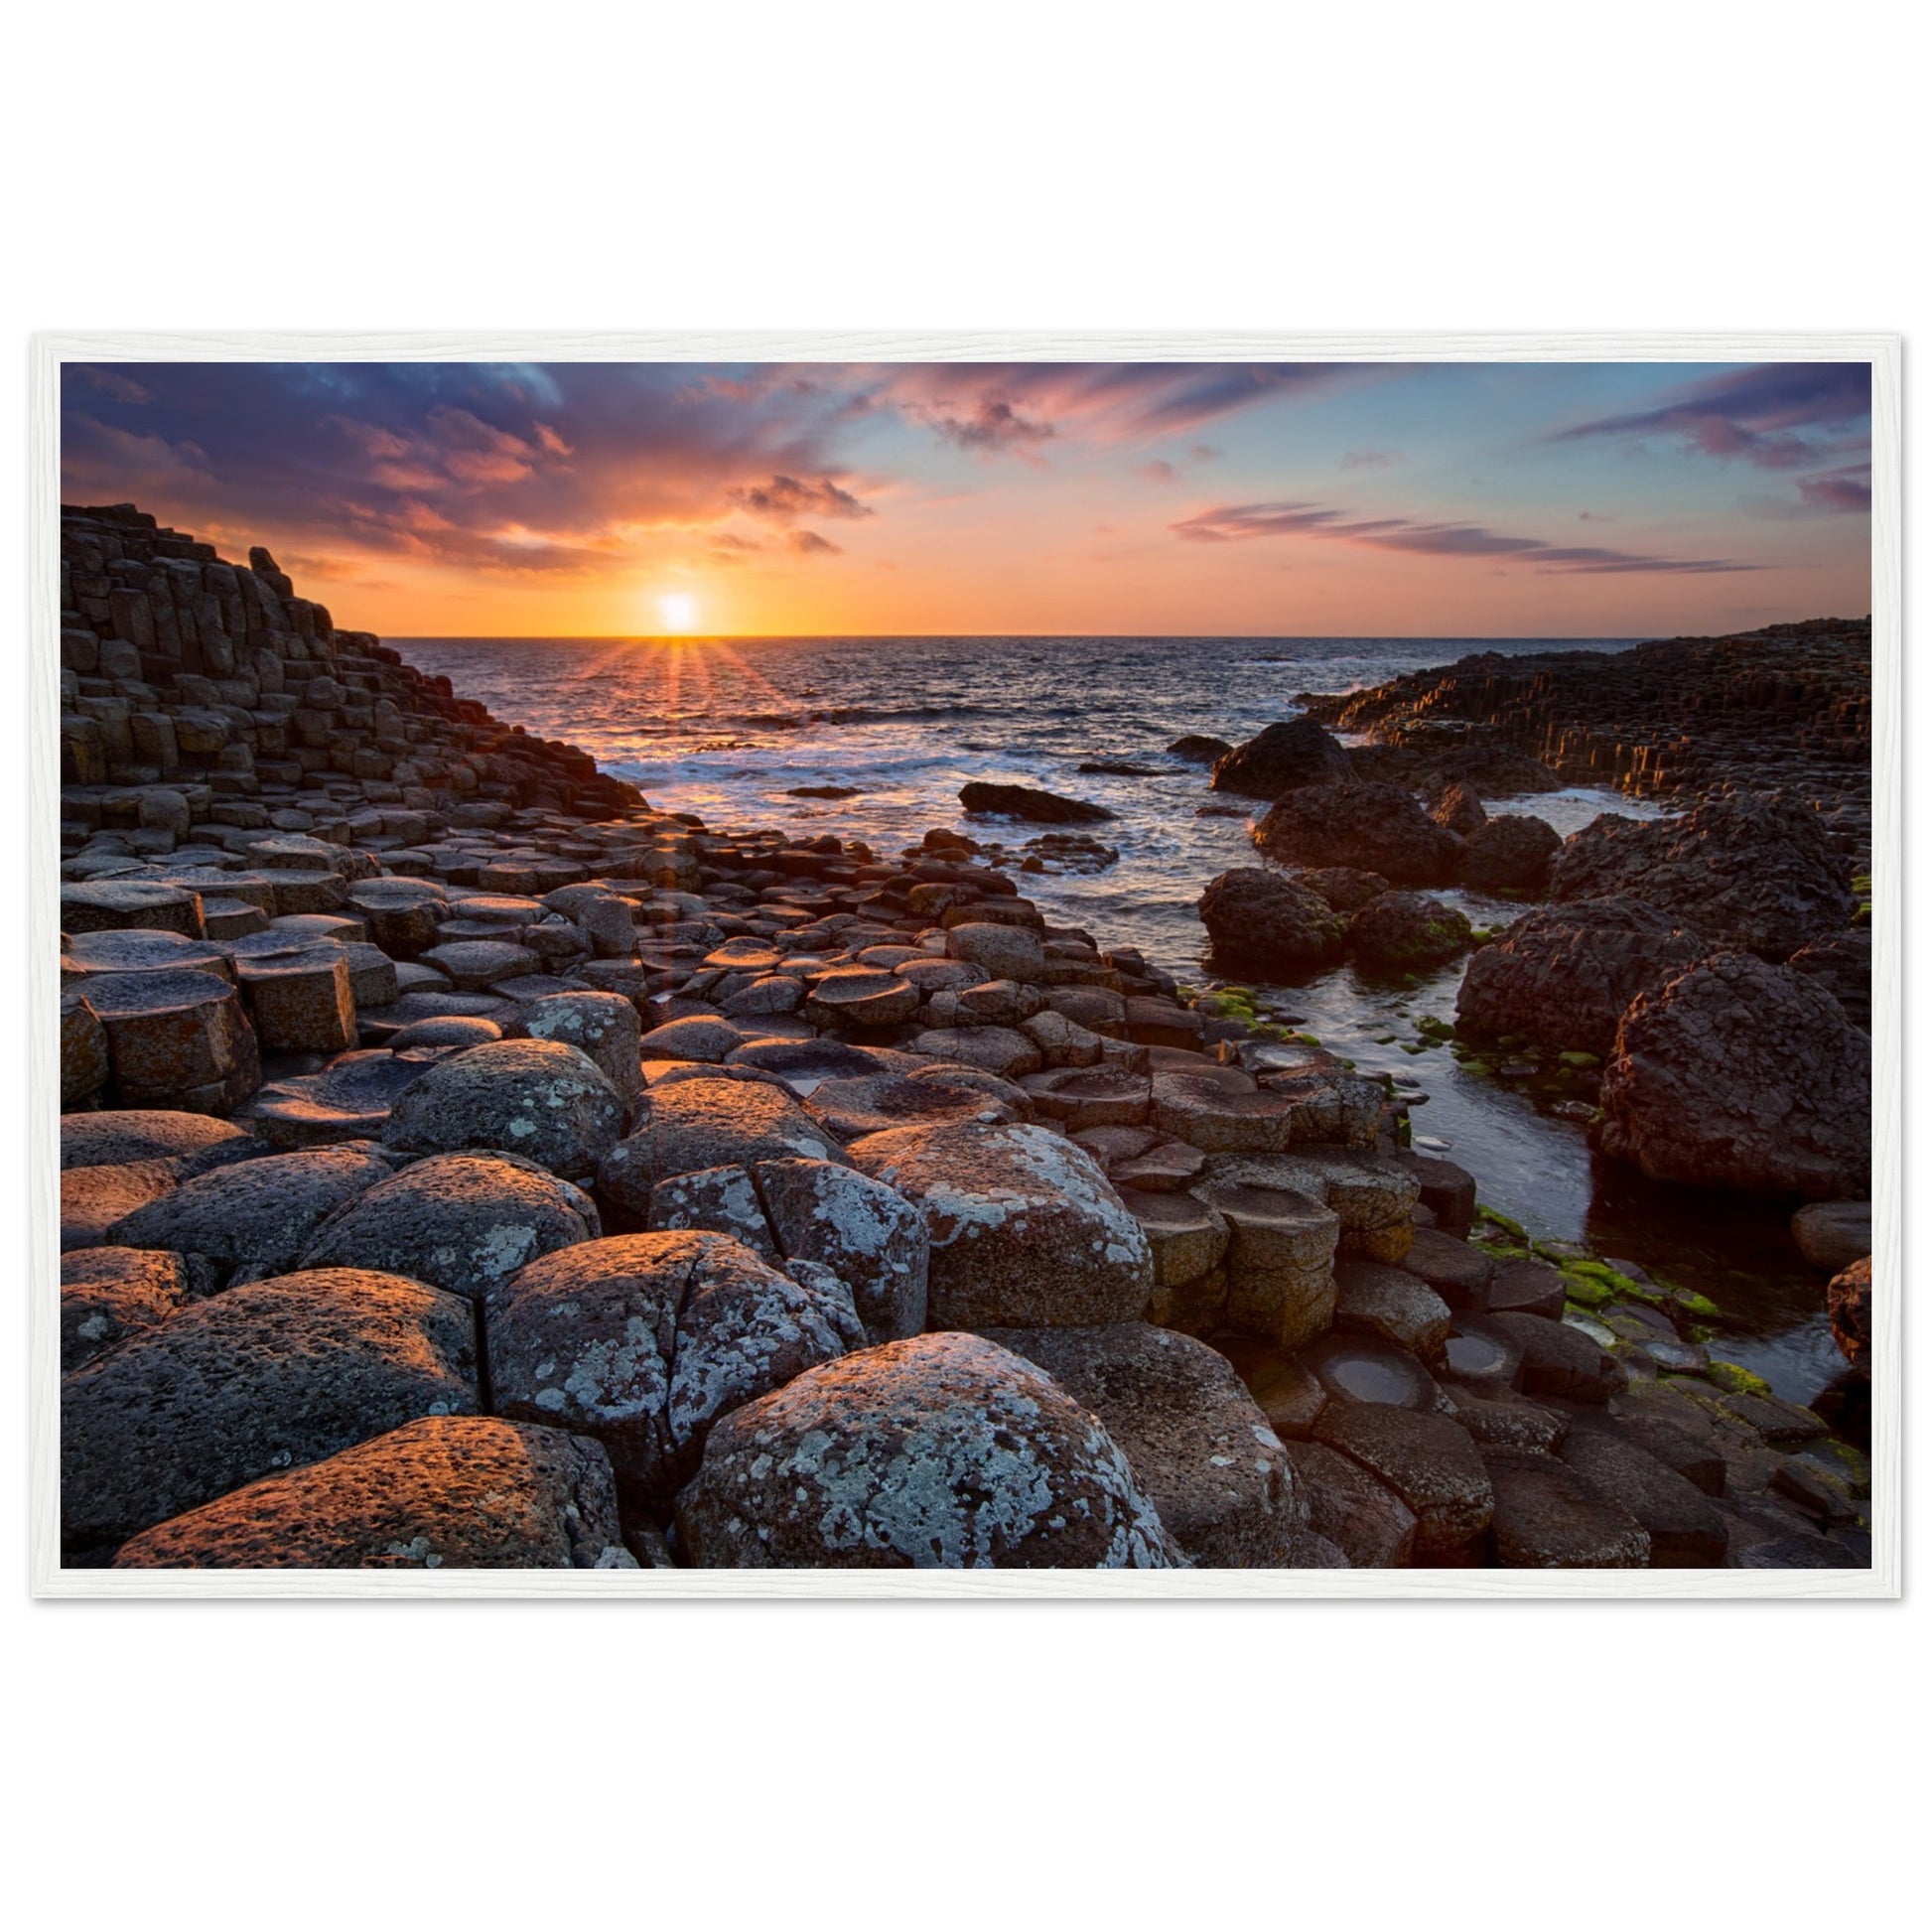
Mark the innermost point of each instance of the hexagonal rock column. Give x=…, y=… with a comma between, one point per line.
x=277, y=1372
x=1220, y=1110
x=464, y=1222
x=349, y=1100
x=870, y=1236
x=463, y=1492
x=713, y=1200
x=108, y=1294
x=176, y=1040
x=1189, y=1239
x=1026, y=1230
x=1393, y=1306
x=645, y=1340
x=300, y=997
x=852, y=1109
x=1280, y=1261
x=1199, y=1447
x=195, y=1142
x=85, y=1063
x=136, y=949
x=109, y=904
x=402, y=914
x=1546, y=1517
x=939, y=1452
x=255, y=1218
x=1372, y=1195
x=1428, y=1462
x=539, y=1098
x=861, y=996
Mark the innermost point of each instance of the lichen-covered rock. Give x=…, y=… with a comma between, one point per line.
x=1406, y=933
x=1366, y=827
x=1205, y=1455
x=254, y=1218
x=109, y=1294
x=448, y=1492
x=1510, y=855
x=540, y=1098
x=603, y=1025
x=1741, y=1074
x=1757, y=872
x=939, y=1452
x=1282, y=758
x=464, y=1222
x=1260, y=918
x=850, y=1109
x=692, y=1125
x=1024, y=1229
x=715, y=1200
x=1562, y=976
x=261, y=1378
x=869, y=1234
x=645, y=1340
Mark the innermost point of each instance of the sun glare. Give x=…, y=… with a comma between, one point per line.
x=679, y=611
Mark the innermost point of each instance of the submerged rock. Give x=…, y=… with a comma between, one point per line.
x=455, y=1492
x=943, y=1450
x=1027, y=801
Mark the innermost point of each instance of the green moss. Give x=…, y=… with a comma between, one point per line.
x=1432, y=1029
x=1585, y=1291
x=1410, y=1047
x=1700, y=1307
x=1578, y=1060
x=1734, y=1380
x=1304, y=1040
x=1495, y=1218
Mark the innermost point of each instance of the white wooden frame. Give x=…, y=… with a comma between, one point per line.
x=1883, y=351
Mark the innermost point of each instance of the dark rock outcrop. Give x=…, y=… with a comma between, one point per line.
x=1739, y=1074
x=1261, y=920
x=1406, y=933
x=1367, y=827
x=1562, y=976
x=1283, y=757
x=1030, y=802
x=1510, y=855
x=1759, y=874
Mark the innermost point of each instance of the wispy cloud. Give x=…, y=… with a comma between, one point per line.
x=808, y=543
x=784, y=497
x=1776, y=416
x=1371, y=458
x=1242, y=521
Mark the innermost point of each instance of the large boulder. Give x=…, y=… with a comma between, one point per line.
x=603, y=1025
x=540, y=1098
x=256, y=1217
x=643, y=1341
x=1741, y=1074
x=1406, y=933
x=1757, y=872
x=1197, y=1444
x=448, y=1492
x=1510, y=855
x=1841, y=962
x=195, y=1142
x=459, y=1221
x=687, y=1126
x=1283, y=757
x=1366, y=827
x=1563, y=974
x=275, y=1373
x=939, y=1452
x=868, y=1234
x=1024, y=1229
x=1256, y=918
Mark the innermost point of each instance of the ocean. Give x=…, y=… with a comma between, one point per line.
x=738, y=731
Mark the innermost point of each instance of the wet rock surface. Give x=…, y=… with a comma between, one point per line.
x=1377, y=828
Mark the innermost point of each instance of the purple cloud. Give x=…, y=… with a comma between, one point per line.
x=808, y=543
x=1370, y=459
x=786, y=496
x=1776, y=416
x=1239, y=522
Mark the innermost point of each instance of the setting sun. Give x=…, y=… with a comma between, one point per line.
x=678, y=610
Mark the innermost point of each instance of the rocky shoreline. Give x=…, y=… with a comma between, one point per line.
x=466, y=1164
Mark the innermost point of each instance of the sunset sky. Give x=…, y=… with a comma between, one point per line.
x=612, y=499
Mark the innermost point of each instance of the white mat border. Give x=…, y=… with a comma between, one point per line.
x=1884, y=1579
